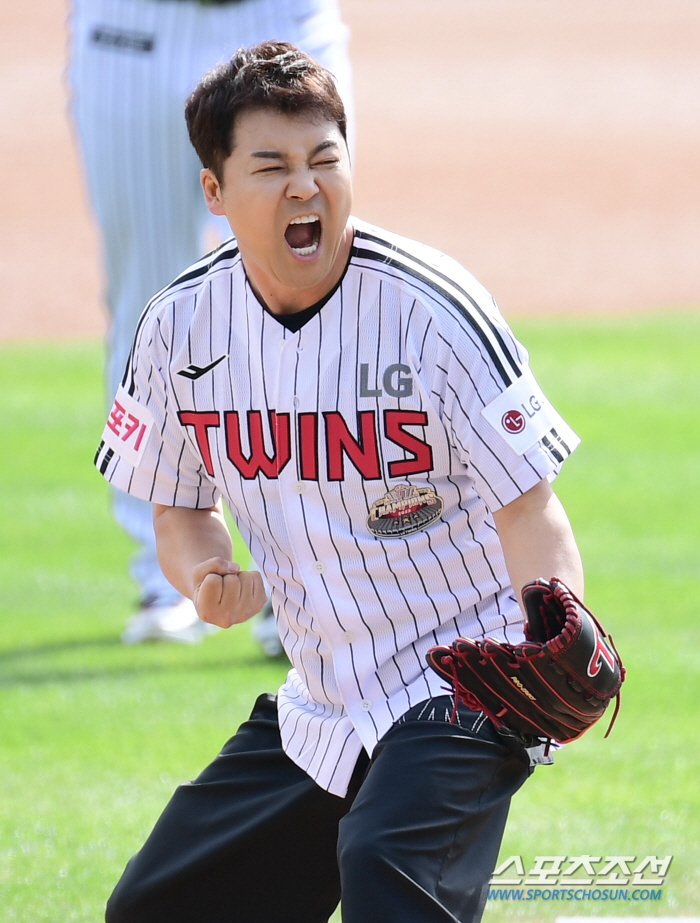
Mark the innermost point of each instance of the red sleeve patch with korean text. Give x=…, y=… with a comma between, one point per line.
x=128, y=427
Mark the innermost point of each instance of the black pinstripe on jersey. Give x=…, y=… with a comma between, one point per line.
x=188, y=279
x=411, y=265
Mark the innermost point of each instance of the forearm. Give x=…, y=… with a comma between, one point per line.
x=194, y=550
x=185, y=538
x=538, y=541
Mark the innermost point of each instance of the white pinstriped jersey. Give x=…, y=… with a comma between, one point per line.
x=357, y=463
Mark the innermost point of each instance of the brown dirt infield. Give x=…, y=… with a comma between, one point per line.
x=553, y=146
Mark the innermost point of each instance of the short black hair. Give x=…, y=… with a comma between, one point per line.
x=270, y=75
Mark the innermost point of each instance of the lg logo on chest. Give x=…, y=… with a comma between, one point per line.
x=396, y=381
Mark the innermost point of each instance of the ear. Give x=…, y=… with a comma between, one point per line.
x=212, y=192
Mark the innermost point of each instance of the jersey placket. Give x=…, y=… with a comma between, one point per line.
x=301, y=502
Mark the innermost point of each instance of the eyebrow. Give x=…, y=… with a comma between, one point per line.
x=278, y=155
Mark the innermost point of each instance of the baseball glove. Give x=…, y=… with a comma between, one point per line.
x=554, y=685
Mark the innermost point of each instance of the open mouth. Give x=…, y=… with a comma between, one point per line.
x=303, y=234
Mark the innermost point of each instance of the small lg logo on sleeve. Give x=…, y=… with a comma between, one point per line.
x=513, y=421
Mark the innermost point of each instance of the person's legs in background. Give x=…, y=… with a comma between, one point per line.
x=133, y=64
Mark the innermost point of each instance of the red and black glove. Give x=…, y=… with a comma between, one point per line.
x=555, y=685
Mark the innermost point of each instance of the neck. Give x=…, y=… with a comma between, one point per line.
x=285, y=300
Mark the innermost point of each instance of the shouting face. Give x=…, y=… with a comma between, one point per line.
x=286, y=191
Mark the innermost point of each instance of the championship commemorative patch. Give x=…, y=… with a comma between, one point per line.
x=404, y=510
x=522, y=416
x=128, y=427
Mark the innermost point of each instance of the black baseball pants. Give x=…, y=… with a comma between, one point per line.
x=254, y=840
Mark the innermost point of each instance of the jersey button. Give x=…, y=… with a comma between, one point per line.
x=319, y=567
x=299, y=487
x=296, y=401
x=348, y=637
x=366, y=704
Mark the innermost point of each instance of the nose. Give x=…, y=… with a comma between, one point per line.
x=301, y=185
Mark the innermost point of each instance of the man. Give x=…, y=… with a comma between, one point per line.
x=369, y=418
x=133, y=64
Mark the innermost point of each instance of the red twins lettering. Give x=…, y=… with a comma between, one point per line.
x=362, y=451
x=394, y=423
x=259, y=460
x=201, y=420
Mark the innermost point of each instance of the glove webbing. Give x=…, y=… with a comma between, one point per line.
x=468, y=699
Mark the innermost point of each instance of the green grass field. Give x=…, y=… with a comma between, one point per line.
x=96, y=735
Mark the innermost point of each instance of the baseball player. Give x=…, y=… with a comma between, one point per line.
x=360, y=405
x=133, y=64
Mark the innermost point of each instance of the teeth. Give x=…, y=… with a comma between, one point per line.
x=306, y=219
x=306, y=251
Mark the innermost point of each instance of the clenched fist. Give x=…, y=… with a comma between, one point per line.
x=224, y=595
